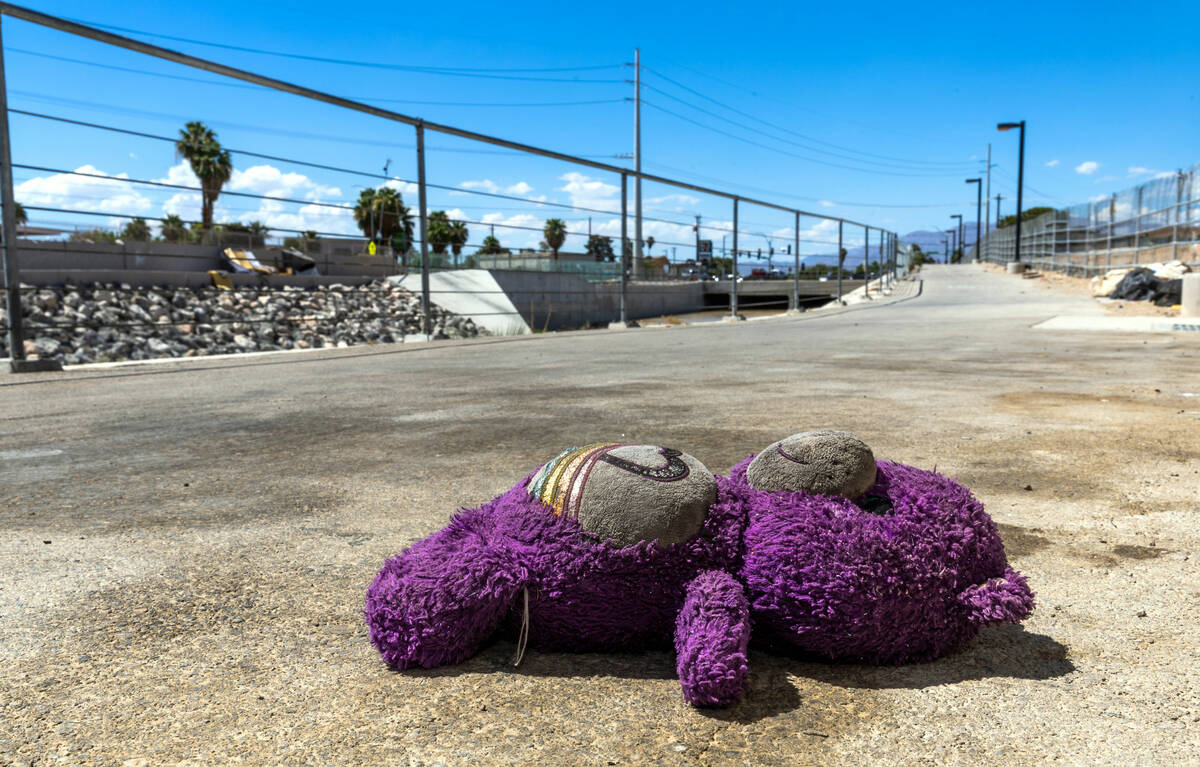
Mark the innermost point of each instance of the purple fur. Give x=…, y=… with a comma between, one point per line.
x=912, y=584
x=711, y=636
x=584, y=594
x=815, y=571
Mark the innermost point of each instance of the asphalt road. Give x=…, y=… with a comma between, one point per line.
x=185, y=546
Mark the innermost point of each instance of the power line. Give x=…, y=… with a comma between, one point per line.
x=794, y=105
x=165, y=117
x=320, y=166
x=245, y=86
x=785, y=140
x=801, y=135
x=488, y=73
x=777, y=193
x=786, y=152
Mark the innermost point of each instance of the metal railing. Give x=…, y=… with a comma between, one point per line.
x=884, y=244
x=1153, y=222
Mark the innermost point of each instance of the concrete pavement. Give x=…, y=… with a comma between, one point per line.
x=185, y=546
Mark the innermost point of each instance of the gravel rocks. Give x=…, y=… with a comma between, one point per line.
x=109, y=322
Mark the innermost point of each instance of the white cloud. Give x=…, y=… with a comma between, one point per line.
x=674, y=202
x=518, y=188
x=269, y=180
x=1087, y=168
x=1052, y=163
x=403, y=187
x=587, y=192
x=828, y=204
x=97, y=191
x=484, y=185
x=1098, y=198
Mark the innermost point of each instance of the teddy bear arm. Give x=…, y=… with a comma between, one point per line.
x=437, y=602
x=712, y=632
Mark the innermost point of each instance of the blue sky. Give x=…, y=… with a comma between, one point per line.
x=875, y=111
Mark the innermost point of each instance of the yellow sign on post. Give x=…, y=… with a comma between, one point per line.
x=371, y=247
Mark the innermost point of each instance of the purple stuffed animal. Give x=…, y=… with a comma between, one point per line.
x=855, y=559
x=623, y=546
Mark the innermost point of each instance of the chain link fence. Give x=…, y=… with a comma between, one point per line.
x=1153, y=222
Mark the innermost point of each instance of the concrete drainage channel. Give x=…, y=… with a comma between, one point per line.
x=121, y=323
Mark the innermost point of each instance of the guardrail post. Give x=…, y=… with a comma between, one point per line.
x=1175, y=220
x=796, y=267
x=426, y=320
x=733, y=283
x=625, y=255
x=839, y=260
x=866, y=262
x=1137, y=230
x=12, y=271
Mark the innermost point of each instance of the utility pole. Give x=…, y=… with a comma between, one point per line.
x=637, y=163
x=999, y=197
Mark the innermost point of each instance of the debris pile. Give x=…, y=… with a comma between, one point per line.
x=1158, y=282
x=107, y=322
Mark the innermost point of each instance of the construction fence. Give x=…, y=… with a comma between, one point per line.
x=158, y=309
x=1154, y=222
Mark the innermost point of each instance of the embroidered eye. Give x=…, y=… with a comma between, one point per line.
x=823, y=462
x=628, y=493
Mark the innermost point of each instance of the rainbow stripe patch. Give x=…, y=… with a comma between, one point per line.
x=559, y=484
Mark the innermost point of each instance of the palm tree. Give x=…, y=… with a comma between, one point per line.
x=136, y=231
x=382, y=216
x=437, y=230
x=211, y=164
x=22, y=216
x=491, y=246
x=458, y=238
x=174, y=230
x=364, y=213
x=649, y=245
x=555, y=231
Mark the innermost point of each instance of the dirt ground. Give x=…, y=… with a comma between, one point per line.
x=1069, y=285
x=185, y=546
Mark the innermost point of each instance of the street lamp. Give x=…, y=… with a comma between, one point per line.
x=978, y=208
x=1020, y=180
x=960, y=239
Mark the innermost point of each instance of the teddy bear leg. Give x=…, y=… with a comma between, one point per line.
x=437, y=602
x=711, y=635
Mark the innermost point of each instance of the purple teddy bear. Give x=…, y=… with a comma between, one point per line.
x=621, y=546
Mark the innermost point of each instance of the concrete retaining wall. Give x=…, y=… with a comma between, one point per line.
x=62, y=255
x=552, y=301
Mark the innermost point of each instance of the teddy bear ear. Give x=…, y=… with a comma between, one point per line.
x=1007, y=599
x=628, y=493
x=824, y=462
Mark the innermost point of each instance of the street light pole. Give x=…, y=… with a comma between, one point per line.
x=959, y=241
x=1020, y=181
x=978, y=182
